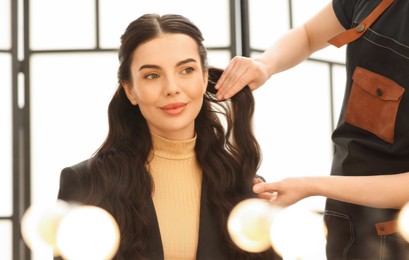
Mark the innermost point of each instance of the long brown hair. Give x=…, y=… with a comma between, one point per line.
x=226, y=149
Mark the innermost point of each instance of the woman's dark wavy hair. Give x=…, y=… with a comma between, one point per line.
x=226, y=150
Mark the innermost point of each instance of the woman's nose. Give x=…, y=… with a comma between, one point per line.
x=171, y=87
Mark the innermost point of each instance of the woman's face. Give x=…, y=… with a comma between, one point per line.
x=168, y=84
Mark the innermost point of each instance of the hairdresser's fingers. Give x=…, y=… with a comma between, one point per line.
x=267, y=196
x=241, y=71
x=227, y=73
x=234, y=78
x=263, y=187
x=257, y=180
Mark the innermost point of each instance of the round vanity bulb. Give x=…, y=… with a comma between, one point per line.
x=39, y=226
x=403, y=222
x=88, y=232
x=249, y=224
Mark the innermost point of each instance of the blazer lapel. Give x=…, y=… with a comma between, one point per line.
x=210, y=245
x=155, y=247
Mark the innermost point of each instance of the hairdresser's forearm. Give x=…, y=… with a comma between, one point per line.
x=299, y=43
x=383, y=191
x=287, y=52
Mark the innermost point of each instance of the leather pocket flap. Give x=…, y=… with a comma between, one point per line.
x=377, y=85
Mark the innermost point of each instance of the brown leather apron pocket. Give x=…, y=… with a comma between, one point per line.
x=373, y=103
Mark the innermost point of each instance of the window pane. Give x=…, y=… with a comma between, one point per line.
x=211, y=16
x=62, y=24
x=304, y=10
x=293, y=124
x=218, y=59
x=268, y=20
x=332, y=54
x=5, y=240
x=68, y=114
x=5, y=136
x=5, y=36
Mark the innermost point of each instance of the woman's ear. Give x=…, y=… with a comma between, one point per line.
x=205, y=80
x=128, y=91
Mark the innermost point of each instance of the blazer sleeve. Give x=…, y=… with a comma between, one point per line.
x=72, y=183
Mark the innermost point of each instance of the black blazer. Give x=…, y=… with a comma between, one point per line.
x=210, y=244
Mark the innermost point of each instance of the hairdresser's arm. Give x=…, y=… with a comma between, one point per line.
x=383, y=191
x=291, y=49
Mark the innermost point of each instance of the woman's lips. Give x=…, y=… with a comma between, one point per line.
x=174, y=108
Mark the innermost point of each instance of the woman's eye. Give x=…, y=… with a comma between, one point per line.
x=152, y=76
x=188, y=70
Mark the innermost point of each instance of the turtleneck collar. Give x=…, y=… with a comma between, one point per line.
x=171, y=149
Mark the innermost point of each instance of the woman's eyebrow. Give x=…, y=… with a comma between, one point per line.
x=180, y=63
x=149, y=66
x=185, y=61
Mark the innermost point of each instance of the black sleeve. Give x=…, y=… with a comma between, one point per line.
x=72, y=183
x=344, y=10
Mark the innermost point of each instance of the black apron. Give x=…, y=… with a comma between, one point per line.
x=372, y=135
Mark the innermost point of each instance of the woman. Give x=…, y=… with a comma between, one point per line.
x=370, y=170
x=169, y=171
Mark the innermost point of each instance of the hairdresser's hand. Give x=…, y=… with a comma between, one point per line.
x=240, y=72
x=282, y=193
x=267, y=195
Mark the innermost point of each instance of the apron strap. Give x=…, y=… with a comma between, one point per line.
x=356, y=32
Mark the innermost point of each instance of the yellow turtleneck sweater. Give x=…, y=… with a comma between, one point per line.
x=177, y=181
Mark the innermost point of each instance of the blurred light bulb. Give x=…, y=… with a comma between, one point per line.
x=249, y=224
x=39, y=226
x=88, y=232
x=403, y=222
x=298, y=234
